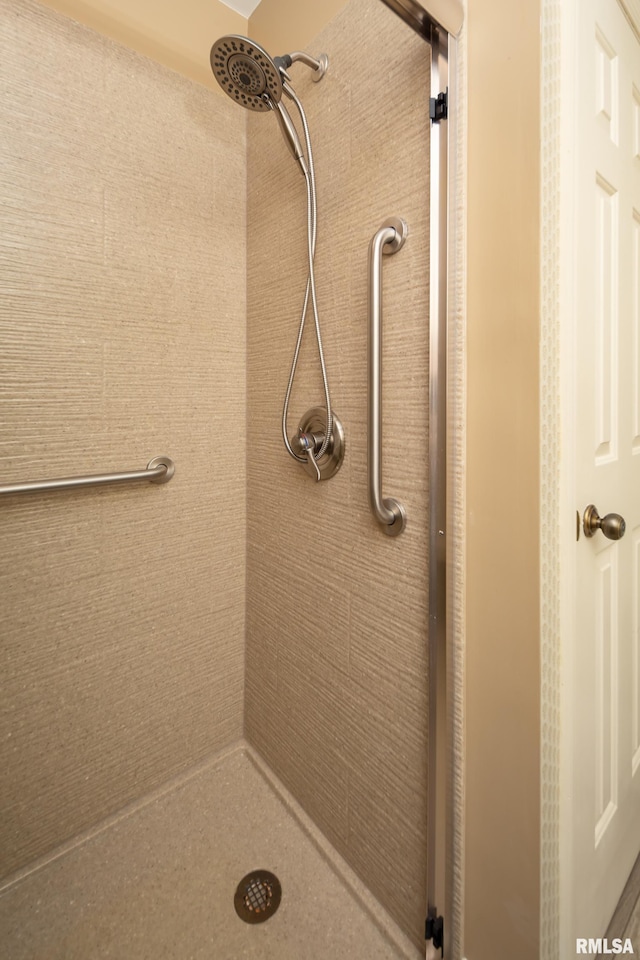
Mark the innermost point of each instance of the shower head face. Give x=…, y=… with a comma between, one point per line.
x=246, y=72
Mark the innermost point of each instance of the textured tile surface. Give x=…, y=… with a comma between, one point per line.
x=159, y=881
x=336, y=696
x=122, y=337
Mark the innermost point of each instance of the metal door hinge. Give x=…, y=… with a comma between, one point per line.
x=438, y=107
x=434, y=930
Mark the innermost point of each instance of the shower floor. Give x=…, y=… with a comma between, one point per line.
x=156, y=882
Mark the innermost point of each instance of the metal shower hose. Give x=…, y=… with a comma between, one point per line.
x=310, y=288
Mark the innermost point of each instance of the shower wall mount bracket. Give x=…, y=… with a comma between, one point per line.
x=312, y=427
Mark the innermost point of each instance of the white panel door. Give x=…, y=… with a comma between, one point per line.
x=603, y=655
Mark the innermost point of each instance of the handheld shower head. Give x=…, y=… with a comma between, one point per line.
x=248, y=75
x=246, y=72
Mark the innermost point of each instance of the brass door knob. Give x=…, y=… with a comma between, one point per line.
x=613, y=525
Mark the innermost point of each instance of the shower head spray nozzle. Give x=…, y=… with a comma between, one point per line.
x=246, y=72
x=253, y=79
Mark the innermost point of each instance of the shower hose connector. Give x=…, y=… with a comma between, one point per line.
x=320, y=456
x=308, y=446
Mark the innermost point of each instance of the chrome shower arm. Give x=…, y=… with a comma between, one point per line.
x=319, y=65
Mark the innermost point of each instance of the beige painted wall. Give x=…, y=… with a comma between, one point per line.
x=285, y=25
x=176, y=34
x=502, y=853
x=122, y=337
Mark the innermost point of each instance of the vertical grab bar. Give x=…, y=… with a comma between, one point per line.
x=389, y=513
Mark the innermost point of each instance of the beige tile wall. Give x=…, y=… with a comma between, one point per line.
x=336, y=695
x=122, y=336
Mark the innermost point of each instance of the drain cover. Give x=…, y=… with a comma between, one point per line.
x=257, y=896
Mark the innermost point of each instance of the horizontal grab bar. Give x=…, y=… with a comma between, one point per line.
x=389, y=513
x=158, y=470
